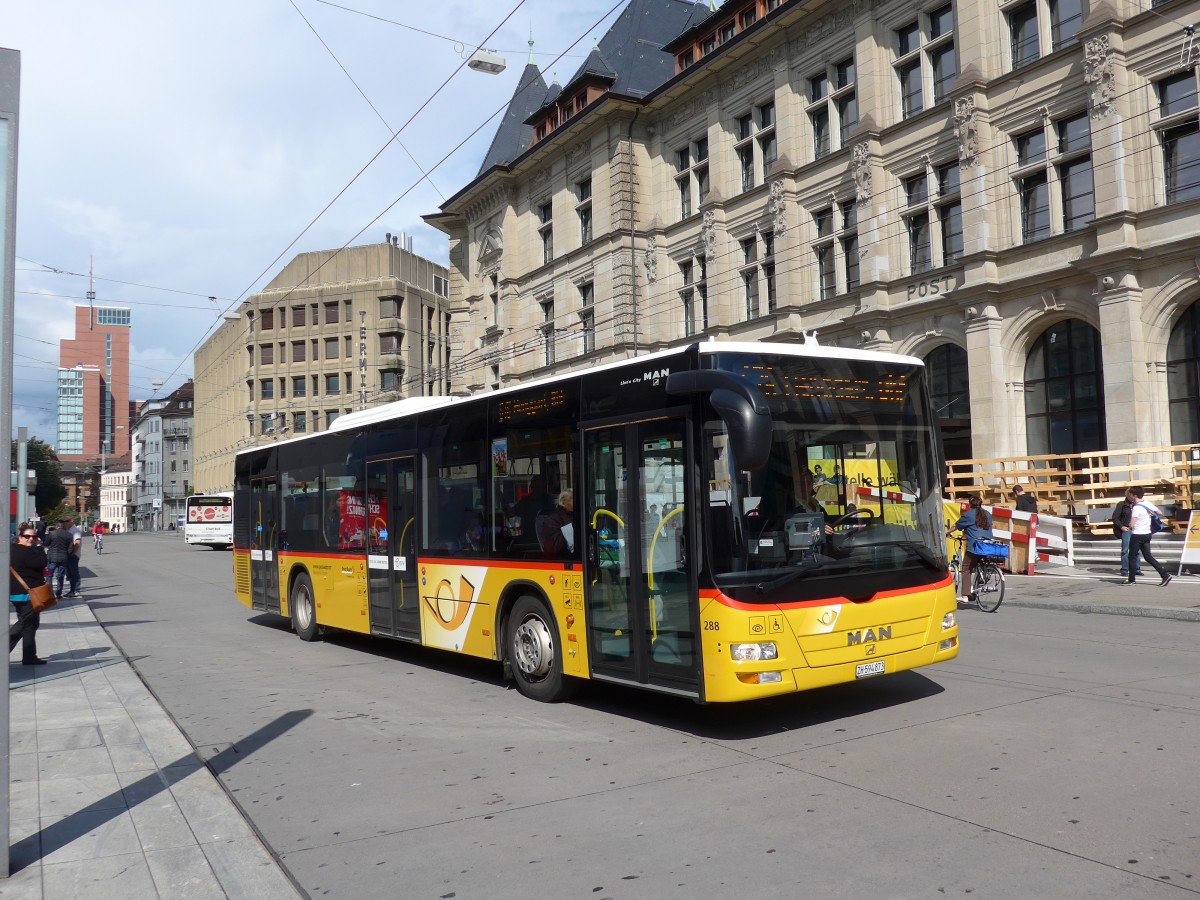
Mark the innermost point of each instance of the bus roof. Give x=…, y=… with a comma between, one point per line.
x=409, y=405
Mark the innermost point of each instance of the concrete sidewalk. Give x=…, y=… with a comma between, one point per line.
x=1102, y=590
x=107, y=797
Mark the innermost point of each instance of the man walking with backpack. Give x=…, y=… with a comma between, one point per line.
x=1142, y=521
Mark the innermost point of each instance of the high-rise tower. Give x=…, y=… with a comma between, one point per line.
x=93, y=386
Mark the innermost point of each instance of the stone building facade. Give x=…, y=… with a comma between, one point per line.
x=333, y=332
x=1010, y=191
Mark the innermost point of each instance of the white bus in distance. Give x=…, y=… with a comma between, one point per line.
x=209, y=520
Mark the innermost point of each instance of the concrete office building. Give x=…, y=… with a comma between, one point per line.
x=93, y=387
x=334, y=331
x=1009, y=190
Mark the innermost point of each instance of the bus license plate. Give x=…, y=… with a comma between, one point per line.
x=866, y=670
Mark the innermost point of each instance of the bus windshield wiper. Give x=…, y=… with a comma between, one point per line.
x=787, y=578
x=924, y=553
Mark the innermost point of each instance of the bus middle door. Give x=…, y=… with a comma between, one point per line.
x=639, y=589
x=264, y=543
x=392, y=548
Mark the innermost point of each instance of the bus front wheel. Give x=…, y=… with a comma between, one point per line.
x=535, y=653
x=304, y=609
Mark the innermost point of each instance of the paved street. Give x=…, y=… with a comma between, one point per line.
x=1054, y=758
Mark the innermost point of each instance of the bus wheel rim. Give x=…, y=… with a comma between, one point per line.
x=304, y=609
x=533, y=648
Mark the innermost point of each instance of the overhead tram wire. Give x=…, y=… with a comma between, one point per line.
x=357, y=175
x=433, y=168
x=362, y=93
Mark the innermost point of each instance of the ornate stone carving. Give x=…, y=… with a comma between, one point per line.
x=690, y=110
x=835, y=23
x=577, y=150
x=650, y=259
x=540, y=177
x=777, y=204
x=861, y=164
x=966, y=127
x=1098, y=73
x=708, y=234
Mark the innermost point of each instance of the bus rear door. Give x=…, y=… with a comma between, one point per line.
x=639, y=589
x=264, y=542
x=391, y=548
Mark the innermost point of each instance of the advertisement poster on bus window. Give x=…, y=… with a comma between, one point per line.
x=499, y=457
x=352, y=519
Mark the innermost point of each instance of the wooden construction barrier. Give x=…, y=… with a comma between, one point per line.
x=1073, y=485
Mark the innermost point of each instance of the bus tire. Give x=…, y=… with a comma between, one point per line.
x=303, y=607
x=535, y=653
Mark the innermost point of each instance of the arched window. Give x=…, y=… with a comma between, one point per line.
x=1183, y=377
x=947, y=367
x=1064, y=390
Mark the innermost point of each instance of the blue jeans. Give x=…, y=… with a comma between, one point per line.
x=1137, y=563
x=73, y=573
x=58, y=571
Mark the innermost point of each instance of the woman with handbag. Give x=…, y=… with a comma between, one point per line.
x=25, y=574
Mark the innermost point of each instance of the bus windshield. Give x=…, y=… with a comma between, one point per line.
x=847, y=504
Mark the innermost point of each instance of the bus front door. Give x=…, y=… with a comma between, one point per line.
x=639, y=589
x=264, y=542
x=391, y=548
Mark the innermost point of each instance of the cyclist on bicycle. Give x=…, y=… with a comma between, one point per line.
x=98, y=539
x=975, y=524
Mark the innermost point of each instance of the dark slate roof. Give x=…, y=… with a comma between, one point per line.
x=513, y=137
x=695, y=23
x=596, y=65
x=630, y=54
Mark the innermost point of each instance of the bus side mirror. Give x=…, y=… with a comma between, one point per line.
x=741, y=407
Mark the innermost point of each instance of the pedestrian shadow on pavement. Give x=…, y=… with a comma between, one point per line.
x=64, y=832
x=57, y=666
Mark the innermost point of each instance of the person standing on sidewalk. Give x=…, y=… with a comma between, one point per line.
x=58, y=549
x=28, y=561
x=1121, y=518
x=1139, y=525
x=73, y=558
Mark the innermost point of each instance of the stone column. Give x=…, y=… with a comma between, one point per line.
x=992, y=411
x=1128, y=411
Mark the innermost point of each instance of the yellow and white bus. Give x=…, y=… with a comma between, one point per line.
x=704, y=556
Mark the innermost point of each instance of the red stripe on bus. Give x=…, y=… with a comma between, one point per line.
x=826, y=601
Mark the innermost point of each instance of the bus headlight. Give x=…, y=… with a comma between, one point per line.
x=948, y=621
x=753, y=652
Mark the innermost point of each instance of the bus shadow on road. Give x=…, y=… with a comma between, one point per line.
x=717, y=721
x=755, y=719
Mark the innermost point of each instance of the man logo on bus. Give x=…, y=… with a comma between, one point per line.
x=656, y=375
x=869, y=636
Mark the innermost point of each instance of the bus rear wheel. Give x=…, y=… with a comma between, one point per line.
x=535, y=653
x=304, y=609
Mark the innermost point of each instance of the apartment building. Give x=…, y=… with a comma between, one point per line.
x=162, y=460
x=1009, y=191
x=334, y=331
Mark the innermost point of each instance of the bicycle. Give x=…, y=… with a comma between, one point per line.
x=99, y=542
x=987, y=578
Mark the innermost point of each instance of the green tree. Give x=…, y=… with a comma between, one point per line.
x=50, y=491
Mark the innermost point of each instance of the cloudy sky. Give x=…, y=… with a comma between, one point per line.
x=185, y=148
